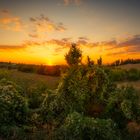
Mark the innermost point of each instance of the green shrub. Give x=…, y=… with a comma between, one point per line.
x=12, y=132
x=87, y=92
x=80, y=87
x=123, y=75
x=79, y=127
x=35, y=95
x=133, y=74
x=13, y=106
x=123, y=106
x=4, y=74
x=26, y=68
x=118, y=75
x=74, y=56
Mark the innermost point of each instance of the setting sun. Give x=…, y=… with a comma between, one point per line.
x=49, y=62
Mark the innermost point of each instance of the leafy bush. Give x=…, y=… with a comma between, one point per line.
x=80, y=87
x=79, y=127
x=123, y=106
x=35, y=95
x=13, y=106
x=74, y=56
x=26, y=68
x=118, y=75
x=12, y=132
x=84, y=97
x=133, y=74
x=4, y=74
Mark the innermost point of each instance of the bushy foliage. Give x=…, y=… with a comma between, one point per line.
x=80, y=87
x=12, y=132
x=4, y=74
x=13, y=106
x=133, y=74
x=79, y=127
x=118, y=74
x=124, y=62
x=123, y=106
x=99, y=61
x=35, y=95
x=42, y=69
x=87, y=95
x=73, y=57
x=26, y=68
x=87, y=105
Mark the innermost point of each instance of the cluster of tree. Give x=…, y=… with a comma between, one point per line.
x=124, y=62
x=8, y=65
x=39, y=69
x=85, y=105
x=50, y=70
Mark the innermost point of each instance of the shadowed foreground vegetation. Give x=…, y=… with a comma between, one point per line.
x=86, y=105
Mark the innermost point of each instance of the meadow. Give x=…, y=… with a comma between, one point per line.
x=130, y=66
x=135, y=84
x=30, y=78
x=52, y=82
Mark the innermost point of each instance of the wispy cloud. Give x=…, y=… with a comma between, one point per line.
x=106, y=48
x=133, y=41
x=67, y=2
x=130, y=45
x=42, y=25
x=11, y=47
x=36, y=28
x=10, y=22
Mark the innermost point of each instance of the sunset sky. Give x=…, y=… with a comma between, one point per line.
x=41, y=31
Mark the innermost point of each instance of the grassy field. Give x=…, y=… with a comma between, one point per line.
x=135, y=84
x=32, y=78
x=129, y=66
x=51, y=82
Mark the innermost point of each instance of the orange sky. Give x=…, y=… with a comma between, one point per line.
x=41, y=32
x=53, y=52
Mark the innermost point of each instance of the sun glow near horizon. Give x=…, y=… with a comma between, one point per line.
x=54, y=54
x=44, y=30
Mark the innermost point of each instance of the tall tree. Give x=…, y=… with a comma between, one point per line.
x=74, y=56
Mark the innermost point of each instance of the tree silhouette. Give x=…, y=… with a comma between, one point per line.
x=89, y=61
x=74, y=56
x=99, y=61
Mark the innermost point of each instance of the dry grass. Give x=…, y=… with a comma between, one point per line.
x=33, y=79
x=129, y=66
x=135, y=84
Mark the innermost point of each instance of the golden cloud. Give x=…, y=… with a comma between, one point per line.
x=10, y=22
x=107, y=49
x=55, y=49
x=42, y=25
x=37, y=28
x=128, y=46
x=67, y=2
x=12, y=47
